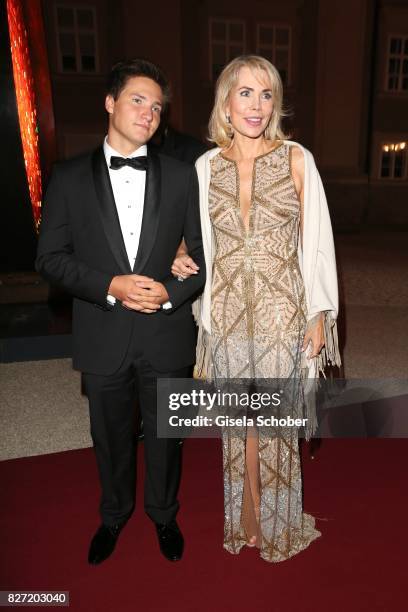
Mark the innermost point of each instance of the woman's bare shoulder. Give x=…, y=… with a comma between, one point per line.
x=297, y=160
x=297, y=153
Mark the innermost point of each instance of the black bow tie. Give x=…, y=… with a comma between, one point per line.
x=138, y=163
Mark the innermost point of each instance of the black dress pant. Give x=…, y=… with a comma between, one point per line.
x=112, y=405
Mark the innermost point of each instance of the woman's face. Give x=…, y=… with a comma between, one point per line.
x=250, y=103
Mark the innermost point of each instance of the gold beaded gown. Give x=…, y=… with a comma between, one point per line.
x=258, y=321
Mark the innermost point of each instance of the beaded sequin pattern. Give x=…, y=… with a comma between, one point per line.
x=258, y=321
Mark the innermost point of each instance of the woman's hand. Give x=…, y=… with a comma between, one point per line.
x=315, y=335
x=183, y=266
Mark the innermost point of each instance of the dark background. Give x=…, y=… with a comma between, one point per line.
x=333, y=56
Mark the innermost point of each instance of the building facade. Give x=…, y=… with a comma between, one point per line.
x=344, y=64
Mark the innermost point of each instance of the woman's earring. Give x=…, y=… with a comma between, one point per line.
x=230, y=129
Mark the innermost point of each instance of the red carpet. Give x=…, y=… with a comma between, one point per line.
x=357, y=487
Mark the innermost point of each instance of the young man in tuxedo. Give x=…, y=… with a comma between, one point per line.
x=112, y=223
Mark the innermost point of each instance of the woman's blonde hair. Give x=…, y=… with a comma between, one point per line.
x=219, y=129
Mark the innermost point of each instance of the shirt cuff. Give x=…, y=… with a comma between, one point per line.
x=111, y=300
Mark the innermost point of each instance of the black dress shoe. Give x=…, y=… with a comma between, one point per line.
x=171, y=540
x=103, y=543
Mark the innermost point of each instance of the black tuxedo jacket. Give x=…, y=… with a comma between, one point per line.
x=81, y=248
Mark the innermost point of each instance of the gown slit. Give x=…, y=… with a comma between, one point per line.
x=251, y=499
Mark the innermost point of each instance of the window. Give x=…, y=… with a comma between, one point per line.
x=397, y=64
x=76, y=39
x=227, y=40
x=394, y=161
x=274, y=43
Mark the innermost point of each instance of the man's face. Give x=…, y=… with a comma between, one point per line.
x=135, y=115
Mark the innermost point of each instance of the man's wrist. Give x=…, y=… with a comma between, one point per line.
x=112, y=289
x=110, y=301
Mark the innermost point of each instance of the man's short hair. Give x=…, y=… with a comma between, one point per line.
x=123, y=71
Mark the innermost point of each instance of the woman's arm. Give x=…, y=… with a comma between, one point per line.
x=298, y=175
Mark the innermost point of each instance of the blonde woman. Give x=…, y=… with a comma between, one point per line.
x=270, y=300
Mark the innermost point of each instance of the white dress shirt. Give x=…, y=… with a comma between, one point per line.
x=128, y=187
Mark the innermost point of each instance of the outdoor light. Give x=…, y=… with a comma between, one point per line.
x=24, y=88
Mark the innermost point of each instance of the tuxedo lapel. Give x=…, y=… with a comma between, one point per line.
x=107, y=208
x=151, y=211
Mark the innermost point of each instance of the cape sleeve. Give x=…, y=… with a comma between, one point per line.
x=319, y=266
